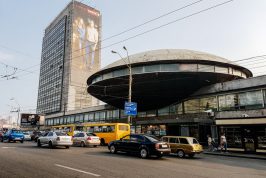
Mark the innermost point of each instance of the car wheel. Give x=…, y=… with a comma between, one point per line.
x=21, y=141
x=191, y=155
x=112, y=149
x=102, y=142
x=180, y=153
x=95, y=146
x=8, y=140
x=82, y=144
x=39, y=143
x=67, y=147
x=50, y=145
x=2, y=140
x=144, y=153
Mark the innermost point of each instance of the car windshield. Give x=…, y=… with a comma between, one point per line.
x=16, y=131
x=26, y=133
x=60, y=134
x=91, y=134
x=152, y=138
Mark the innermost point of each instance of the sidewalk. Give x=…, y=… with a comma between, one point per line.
x=236, y=154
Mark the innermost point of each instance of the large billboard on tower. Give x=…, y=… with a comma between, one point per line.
x=85, y=54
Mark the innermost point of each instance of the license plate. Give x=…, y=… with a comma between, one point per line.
x=164, y=146
x=17, y=138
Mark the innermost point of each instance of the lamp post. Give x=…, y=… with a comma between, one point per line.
x=128, y=64
x=18, y=109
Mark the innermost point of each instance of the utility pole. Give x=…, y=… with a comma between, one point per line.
x=128, y=64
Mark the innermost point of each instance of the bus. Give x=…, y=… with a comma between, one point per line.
x=70, y=129
x=108, y=131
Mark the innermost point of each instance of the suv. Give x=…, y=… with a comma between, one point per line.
x=183, y=145
x=13, y=135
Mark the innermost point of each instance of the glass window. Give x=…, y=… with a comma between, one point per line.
x=223, y=70
x=108, y=75
x=233, y=136
x=165, y=139
x=172, y=140
x=261, y=135
x=169, y=67
x=152, y=68
x=228, y=102
x=205, y=68
x=251, y=100
x=137, y=70
x=183, y=141
x=208, y=104
x=50, y=134
x=237, y=72
x=192, y=106
x=123, y=127
x=120, y=72
x=141, y=114
x=188, y=67
x=151, y=113
x=163, y=111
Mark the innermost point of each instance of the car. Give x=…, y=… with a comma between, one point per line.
x=84, y=139
x=13, y=135
x=141, y=144
x=183, y=146
x=1, y=136
x=37, y=135
x=53, y=139
x=27, y=136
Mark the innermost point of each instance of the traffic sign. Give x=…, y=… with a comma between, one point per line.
x=130, y=109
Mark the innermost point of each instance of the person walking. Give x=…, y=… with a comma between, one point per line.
x=210, y=147
x=223, y=142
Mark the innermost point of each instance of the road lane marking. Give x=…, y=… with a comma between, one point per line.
x=7, y=147
x=78, y=170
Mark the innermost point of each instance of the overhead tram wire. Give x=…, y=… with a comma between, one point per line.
x=144, y=23
x=156, y=28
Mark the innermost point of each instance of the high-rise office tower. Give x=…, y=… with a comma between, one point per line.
x=70, y=54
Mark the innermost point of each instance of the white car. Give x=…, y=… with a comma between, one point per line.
x=27, y=136
x=86, y=139
x=53, y=139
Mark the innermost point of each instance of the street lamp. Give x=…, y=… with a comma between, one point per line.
x=128, y=64
x=18, y=109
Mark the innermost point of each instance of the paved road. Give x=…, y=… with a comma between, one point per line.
x=27, y=160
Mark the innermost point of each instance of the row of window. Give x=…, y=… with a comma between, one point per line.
x=171, y=68
x=236, y=101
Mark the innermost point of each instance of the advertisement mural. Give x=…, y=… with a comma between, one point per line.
x=85, y=53
x=31, y=120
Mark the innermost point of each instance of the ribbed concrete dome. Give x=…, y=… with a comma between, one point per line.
x=170, y=54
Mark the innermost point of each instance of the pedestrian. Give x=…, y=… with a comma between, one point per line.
x=210, y=147
x=223, y=142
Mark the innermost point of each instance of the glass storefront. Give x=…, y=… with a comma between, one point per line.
x=157, y=130
x=248, y=138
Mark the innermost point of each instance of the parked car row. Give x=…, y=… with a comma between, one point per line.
x=147, y=145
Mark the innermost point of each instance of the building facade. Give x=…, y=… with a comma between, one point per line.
x=70, y=54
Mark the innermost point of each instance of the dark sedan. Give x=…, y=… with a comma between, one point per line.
x=144, y=145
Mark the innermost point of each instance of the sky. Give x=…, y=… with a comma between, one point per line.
x=235, y=31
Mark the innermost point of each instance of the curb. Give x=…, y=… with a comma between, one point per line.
x=233, y=155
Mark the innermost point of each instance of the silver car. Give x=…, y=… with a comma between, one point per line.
x=53, y=139
x=27, y=136
x=86, y=139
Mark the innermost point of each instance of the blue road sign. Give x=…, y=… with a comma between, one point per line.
x=130, y=109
